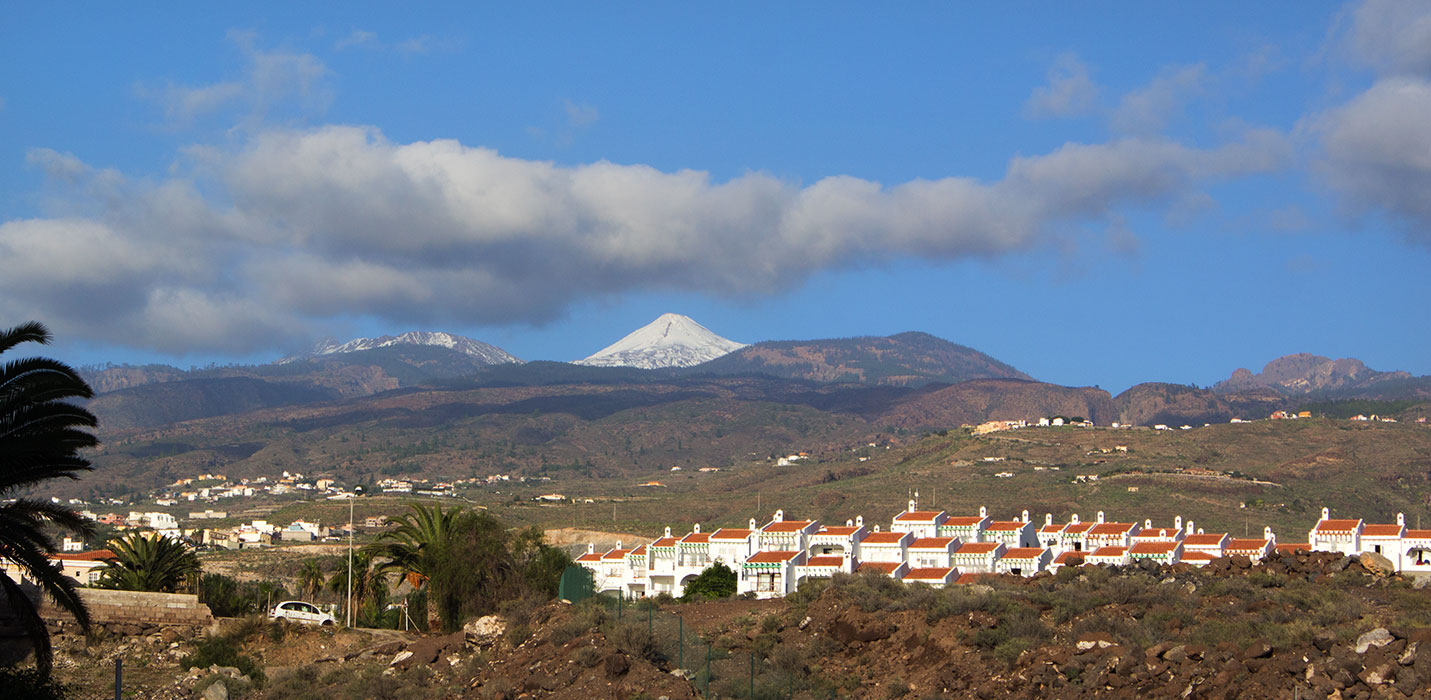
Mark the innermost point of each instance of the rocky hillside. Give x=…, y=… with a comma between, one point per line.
x=906, y=359
x=1304, y=373
x=1176, y=404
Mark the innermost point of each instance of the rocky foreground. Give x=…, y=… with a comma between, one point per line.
x=1304, y=625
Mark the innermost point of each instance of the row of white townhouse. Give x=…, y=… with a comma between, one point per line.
x=936, y=548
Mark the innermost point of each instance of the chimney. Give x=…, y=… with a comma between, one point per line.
x=618, y=544
x=1074, y=519
x=849, y=523
x=590, y=548
x=1048, y=519
x=859, y=521
x=752, y=523
x=1148, y=524
x=1100, y=517
x=668, y=531
x=1026, y=515
x=779, y=516
x=1267, y=534
x=697, y=529
x=1401, y=519
x=983, y=512
x=1192, y=529
x=911, y=505
x=876, y=528
x=1326, y=514
x=1178, y=523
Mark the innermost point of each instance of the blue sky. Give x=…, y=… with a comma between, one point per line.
x=1098, y=195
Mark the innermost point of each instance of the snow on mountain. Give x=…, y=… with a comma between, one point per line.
x=489, y=354
x=672, y=340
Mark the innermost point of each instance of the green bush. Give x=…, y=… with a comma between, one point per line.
x=221, y=651
x=30, y=684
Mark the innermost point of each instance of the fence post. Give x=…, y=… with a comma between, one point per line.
x=118, y=678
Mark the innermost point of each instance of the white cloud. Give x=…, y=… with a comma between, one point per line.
x=1070, y=91
x=1393, y=36
x=362, y=39
x=579, y=115
x=270, y=78
x=300, y=226
x=1149, y=109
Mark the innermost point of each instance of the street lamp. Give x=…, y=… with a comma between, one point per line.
x=351, y=497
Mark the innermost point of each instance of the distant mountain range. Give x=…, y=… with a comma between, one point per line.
x=949, y=383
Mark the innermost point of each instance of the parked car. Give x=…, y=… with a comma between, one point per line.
x=299, y=611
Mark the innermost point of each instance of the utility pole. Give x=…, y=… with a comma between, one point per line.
x=352, y=496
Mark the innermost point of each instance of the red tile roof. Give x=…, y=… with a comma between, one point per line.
x=1293, y=547
x=1069, y=558
x=1197, y=555
x=1024, y=553
x=1330, y=525
x=885, y=538
x=1379, y=530
x=1077, y=528
x=1006, y=526
x=1109, y=552
x=963, y=521
x=825, y=561
x=1211, y=540
x=786, y=526
x=93, y=555
x=1153, y=547
x=731, y=533
x=838, y=531
x=919, y=516
x=934, y=573
x=664, y=542
x=1112, y=528
x=1157, y=533
x=1418, y=534
x=1051, y=529
x=932, y=542
x=771, y=557
x=616, y=554
x=589, y=557
x=639, y=551
x=697, y=538
x=884, y=567
x=978, y=547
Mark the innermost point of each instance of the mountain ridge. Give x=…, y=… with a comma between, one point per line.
x=672, y=340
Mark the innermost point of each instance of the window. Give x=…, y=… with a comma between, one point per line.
x=1377, y=548
x=765, y=583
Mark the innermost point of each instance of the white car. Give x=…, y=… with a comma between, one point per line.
x=299, y=611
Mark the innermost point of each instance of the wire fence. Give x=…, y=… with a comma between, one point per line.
x=714, y=667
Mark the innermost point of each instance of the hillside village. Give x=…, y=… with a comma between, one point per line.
x=939, y=549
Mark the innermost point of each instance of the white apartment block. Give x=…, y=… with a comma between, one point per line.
x=936, y=549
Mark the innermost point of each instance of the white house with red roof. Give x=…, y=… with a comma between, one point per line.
x=1254, y=548
x=1385, y=539
x=733, y=545
x=769, y=574
x=934, y=577
x=921, y=523
x=893, y=569
x=1160, y=551
x=1336, y=535
x=823, y=566
x=1024, y=561
x=781, y=535
x=1050, y=534
x=966, y=528
x=85, y=568
x=1416, y=551
x=928, y=552
x=1111, y=555
x=1074, y=536
x=693, y=551
x=884, y=547
x=1214, y=544
x=1148, y=533
x=1110, y=534
x=839, y=540
x=1068, y=558
x=978, y=557
x=1015, y=534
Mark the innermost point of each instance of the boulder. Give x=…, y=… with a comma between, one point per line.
x=1378, y=637
x=216, y=691
x=484, y=632
x=1377, y=564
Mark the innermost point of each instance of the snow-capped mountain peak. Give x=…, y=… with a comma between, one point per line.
x=672, y=340
x=489, y=354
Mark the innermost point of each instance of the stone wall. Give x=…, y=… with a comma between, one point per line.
x=108, y=608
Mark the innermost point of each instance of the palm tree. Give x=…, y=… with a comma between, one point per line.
x=147, y=561
x=310, y=578
x=369, y=583
x=407, y=548
x=41, y=436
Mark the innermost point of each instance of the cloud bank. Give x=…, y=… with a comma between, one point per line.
x=256, y=243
